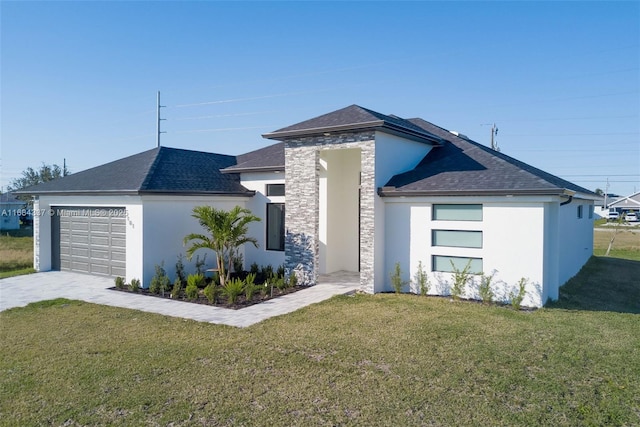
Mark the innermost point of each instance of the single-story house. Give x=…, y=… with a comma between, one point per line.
x=10, y=211
x=626, y=204
x=352, y=190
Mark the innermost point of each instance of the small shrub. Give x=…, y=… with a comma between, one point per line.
x=211, y=292
x=200, y=264
x=460, y=280
x=250, y=287
x=396, y=278
x=254, y=268
x=180, y=274
x=280, y=271
x=119, y=282
x=177, y=288
x=517, y=298
x=135, y=285
x=191, y=291
x=293, y=280
x=160, y=281
x=279, y=283
x=422, y=280
x=485, y=291
x=233, y=289
x=196, y=280
x=267, y=271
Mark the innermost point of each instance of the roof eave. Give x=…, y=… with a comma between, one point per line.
x=373, y=125
x=393, y=192
x=253, y=169
x=248, y=193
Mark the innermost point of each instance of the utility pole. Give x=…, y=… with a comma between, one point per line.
x=158, y=131
x=494, y=133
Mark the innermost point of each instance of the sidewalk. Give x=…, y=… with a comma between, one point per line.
x=21, y=290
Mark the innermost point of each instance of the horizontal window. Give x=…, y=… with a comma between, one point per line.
x=275, y=189
x=448, y=263
x=457, y=238
x=457, y=212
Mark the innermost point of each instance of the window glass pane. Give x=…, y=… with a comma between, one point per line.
x=458, y=239
x=443, y=263
x=579, y=211
x=275, y=226
x=275, y=189
x=457, y=212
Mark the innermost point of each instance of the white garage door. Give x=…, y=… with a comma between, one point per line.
x=90, y=240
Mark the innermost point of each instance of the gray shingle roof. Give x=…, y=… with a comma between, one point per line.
x=353, y=118
x=265, y=159
x=461, y=166
x=159, y=170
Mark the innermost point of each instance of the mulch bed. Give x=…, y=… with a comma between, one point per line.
x=221, y=301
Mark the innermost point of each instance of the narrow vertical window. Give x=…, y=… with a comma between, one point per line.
x=275, y=226
x=579, y=211
x=591, y=208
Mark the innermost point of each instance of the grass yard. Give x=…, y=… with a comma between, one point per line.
x=364, y=360
x=16, y=253
x=626, y=244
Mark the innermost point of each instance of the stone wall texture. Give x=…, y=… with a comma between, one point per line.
x=302, y=214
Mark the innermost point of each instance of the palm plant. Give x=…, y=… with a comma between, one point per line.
x=227, y=232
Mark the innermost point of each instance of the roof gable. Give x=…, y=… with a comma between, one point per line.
x=354, y=118
x=159, y=170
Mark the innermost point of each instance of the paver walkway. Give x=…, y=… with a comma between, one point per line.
x=21, y=290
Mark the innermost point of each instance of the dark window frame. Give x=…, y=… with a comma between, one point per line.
x=268, y=246
x=271, y=189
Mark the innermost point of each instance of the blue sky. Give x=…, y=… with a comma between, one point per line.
x=560, y=79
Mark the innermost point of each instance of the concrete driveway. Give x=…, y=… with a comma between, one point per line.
x=21, y=290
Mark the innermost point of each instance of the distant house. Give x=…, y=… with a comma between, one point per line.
x=352, y=190
x=628, y=203
x=10, y=211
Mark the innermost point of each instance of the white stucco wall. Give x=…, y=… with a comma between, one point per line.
x=575, y=243
x=338, y=192
x=156, y=226
x=42, y=226
x=258, y=206
x=513, y=243
x=167, y=220
x=393, y=155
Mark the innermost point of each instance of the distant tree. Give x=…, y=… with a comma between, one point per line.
x=599, y=192
x=31, y=177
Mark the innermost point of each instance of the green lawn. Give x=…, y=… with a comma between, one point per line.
x=385, y=360
x=16, y=252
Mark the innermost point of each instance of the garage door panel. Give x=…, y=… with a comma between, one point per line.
x=118, y=228
x=118, y=242
x=91, y=241
x=100, y=240
x=104, y=227
x=118, y=256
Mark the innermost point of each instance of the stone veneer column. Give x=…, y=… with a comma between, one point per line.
x=302, y=181
x=302, y=214
x=367, y=216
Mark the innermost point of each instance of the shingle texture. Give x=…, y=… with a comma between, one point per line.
x=461, y=165
x=271, y=158
x=159, y=170
x=352, y=117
